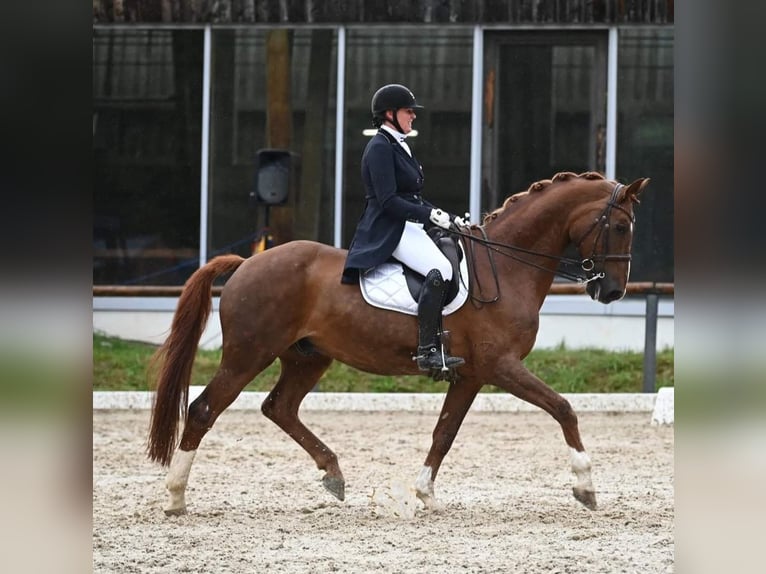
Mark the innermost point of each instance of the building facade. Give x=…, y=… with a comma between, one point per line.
x=186, y=92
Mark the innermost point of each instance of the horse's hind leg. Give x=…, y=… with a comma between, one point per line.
x=300, y=372
x=232, y=376
x=517, y=380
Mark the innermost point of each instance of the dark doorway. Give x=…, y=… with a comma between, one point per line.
x=545, y=108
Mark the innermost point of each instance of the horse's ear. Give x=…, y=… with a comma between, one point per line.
x=635, y=189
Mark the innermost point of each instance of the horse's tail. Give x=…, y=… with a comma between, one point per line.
x=172, y=363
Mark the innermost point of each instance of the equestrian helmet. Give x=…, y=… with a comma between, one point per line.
x=392, y=97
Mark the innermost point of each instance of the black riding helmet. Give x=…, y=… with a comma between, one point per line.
x=391, y=97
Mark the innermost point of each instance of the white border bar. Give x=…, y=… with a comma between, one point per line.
x=414, y=402
x=553, y=305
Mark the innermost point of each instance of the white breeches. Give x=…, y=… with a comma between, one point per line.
x=418, y=251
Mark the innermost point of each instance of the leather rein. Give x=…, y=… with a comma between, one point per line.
x=587, y=265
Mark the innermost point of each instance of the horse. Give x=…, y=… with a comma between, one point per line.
x=288, y=303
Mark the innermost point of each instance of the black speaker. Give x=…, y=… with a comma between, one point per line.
x=272, y=177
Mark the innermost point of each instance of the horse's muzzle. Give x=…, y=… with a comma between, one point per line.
x=603, y=292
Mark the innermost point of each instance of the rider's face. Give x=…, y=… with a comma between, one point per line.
x=405, y=117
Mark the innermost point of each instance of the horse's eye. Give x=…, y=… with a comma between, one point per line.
x=621, y=228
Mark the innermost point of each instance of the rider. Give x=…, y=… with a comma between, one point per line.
x=396, y=217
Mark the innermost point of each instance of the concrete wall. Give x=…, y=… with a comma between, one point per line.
x=574, y=321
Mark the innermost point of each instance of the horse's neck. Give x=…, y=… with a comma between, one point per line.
x=540, y=227
x=536, y=228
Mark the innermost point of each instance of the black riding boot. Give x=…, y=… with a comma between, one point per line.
x=430, y=352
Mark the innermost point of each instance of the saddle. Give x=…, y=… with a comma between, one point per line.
x=396, y=287
x=448, y=245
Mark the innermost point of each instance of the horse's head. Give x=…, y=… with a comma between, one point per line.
x=603, y=234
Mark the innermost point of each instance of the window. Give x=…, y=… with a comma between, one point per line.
x=545, y=108
x=303, y=66
x=436, y=65
x=147, y=114
x=645, y=144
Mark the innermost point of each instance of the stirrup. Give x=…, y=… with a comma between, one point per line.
x=431, y=357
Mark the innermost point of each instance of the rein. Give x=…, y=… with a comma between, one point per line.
x=472, y=266
x=587, y=265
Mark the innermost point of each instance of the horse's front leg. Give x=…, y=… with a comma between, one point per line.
x=458, y=400
x=514, y=377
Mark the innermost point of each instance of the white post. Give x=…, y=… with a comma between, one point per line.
x=611, y=105
x=340, y=108
x=474, y=201
x=205, y=153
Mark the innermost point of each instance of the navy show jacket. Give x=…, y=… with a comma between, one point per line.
x=392, y=182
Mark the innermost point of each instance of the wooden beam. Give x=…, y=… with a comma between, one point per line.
x=279, y=120
x=638, y=288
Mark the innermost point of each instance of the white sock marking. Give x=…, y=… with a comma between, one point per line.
x=581, y=469
x=178, y=478
x=424, y=484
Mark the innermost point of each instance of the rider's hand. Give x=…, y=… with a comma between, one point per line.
x=440, y=218
x=459, y=221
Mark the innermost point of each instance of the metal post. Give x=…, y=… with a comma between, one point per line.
x=340, y=110
x=205, y=152
x=477, y=100
x=610, y=166
x=650, y=343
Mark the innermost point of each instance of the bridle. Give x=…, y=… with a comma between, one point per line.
x=586, y=272
x=600, y=224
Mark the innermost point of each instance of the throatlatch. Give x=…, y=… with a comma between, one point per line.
x=432, y=355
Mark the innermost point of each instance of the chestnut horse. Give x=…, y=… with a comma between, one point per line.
x=287, y=303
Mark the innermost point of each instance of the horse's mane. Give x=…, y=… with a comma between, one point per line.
x=538, y=187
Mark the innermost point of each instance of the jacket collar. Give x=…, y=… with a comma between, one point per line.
x=399, y=149
x=396, y=135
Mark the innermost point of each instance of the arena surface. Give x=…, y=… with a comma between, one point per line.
x=256, y=503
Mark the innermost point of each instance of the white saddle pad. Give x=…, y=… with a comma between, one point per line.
x=384, y=286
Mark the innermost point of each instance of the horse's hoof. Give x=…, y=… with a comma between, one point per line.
x=175, y=511
x=430, y=504
x=336, y=486
x=586, y=497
